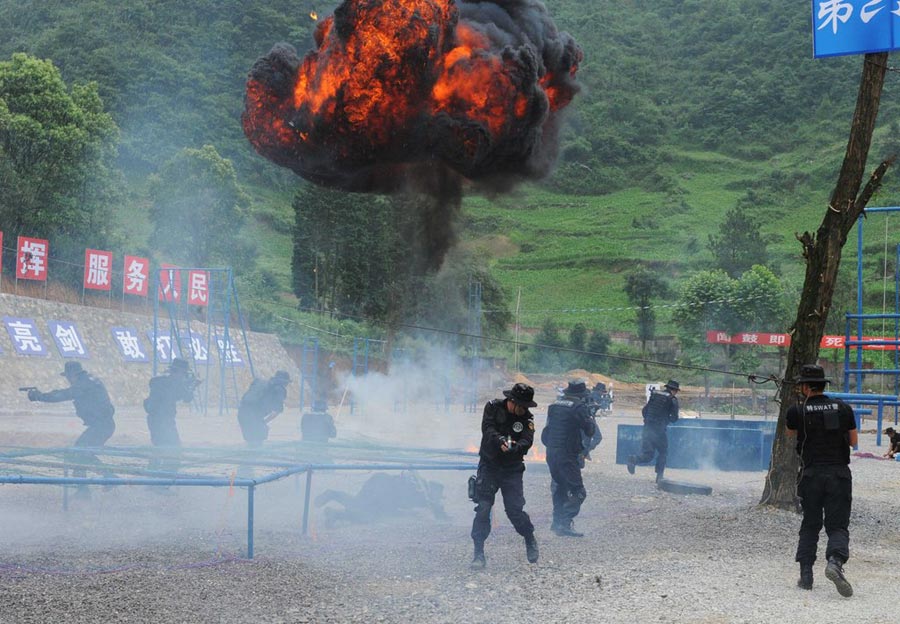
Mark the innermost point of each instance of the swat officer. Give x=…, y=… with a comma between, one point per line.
x=263, y=401
x=317, y=425
x=825, y=429
x=177, y=384
x=92, y=406
x=659, y=412
x=568, y=419
x=507, y=432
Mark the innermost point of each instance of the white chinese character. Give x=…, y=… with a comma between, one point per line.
x=749, y=338
x=865, y=14
x=130, y=344
x=832, y=11
x=201, y=353
x=33, y=255
x=136, y=276
x=68, y=340
x=98, y=270
x=897, y=10
x=198, y=286
x=777, y=339
x=722, y=337
x=231, y=354
x=164, y=347
x=24, y=336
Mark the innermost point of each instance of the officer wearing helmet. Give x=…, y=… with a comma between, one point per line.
x=825, y=429
x=568, y=419
x=660, y=411
x=166, y=390
x=263, y=401
x=92, y=406
x=507, y=432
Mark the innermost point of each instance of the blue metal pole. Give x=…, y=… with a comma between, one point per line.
x=859, y=299
x=309, y=474
x=880, y=419
x=250, y=521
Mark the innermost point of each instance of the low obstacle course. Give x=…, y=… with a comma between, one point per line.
x=215, y=467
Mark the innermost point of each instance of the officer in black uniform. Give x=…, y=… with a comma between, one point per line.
x=92, y=406
x=263, y=401
x=317, y=425
x=177, y=384
x=659, y=412
x=825, y=429
x=507, y=432
x=568, y=419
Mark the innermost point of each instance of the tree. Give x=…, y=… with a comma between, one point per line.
x=739, y=244
x=57, y=148
x=822, y=252
x=641, y=286
x=198, y=210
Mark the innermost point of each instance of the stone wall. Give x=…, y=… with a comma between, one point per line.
x=125, y=381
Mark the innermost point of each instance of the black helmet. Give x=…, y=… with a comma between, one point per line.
x=281, y=377
x=72, y=369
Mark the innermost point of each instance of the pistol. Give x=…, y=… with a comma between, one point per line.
x=27, y=388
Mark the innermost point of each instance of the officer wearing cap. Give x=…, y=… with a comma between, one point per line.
x=507, y=432
x=825, y=429
x=660, y=411
x=263, y=401
x=92, y=406
x=568, y=419
x=166, y=390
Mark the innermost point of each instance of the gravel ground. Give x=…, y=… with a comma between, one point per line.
x=132, y=555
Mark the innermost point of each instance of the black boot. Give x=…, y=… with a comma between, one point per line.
x=659, y=477
x=531, y=548
x=806, y=576
x=834, y=572
x=564, y=529
x=478, y=560
x=630, y=464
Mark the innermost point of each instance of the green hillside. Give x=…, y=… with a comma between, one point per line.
x=688, y=109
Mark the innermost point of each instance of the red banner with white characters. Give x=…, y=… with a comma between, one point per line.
x=169, y=283
x=97, y=269
x=762, y=339
x=31, y=258
x=198, y=288
x=137, y=276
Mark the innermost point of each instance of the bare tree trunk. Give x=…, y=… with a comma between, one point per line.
x=822, y=252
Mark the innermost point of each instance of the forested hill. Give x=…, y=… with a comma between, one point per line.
x=689, y=109
x=733, y=75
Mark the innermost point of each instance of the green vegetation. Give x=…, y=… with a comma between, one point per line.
x=696, y=120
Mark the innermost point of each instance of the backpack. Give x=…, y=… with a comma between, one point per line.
x=256, y=393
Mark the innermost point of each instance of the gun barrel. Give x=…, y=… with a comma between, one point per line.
x=27, y=388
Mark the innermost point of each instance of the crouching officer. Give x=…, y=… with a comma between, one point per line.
x=92, y=406
x=507, y=432
x=659, y=412
x=568, y=419
x=825, y=429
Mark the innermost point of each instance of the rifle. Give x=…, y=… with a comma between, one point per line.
x=27, y=388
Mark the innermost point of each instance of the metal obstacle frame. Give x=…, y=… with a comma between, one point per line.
x=286, y=466
x=222, y=302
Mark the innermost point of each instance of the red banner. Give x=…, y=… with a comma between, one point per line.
x=198, y=288
x=169, y=283
x=762, y=339
x=137, y=276
x=31, y=258
x=97, y=269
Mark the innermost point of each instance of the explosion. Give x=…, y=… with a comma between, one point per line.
x=417, y=93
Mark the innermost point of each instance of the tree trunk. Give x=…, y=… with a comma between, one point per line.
x=822, y=252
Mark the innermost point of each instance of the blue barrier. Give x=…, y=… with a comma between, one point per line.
x=725, y=423
x=706, y=447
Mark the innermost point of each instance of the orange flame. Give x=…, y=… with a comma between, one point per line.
x=399, y=81
x=313, y=15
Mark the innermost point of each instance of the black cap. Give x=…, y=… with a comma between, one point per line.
x=576, y=388
x=281, y=377
x=179, y=364
x=521, y=393
x=672, y=385
x=811, y=373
